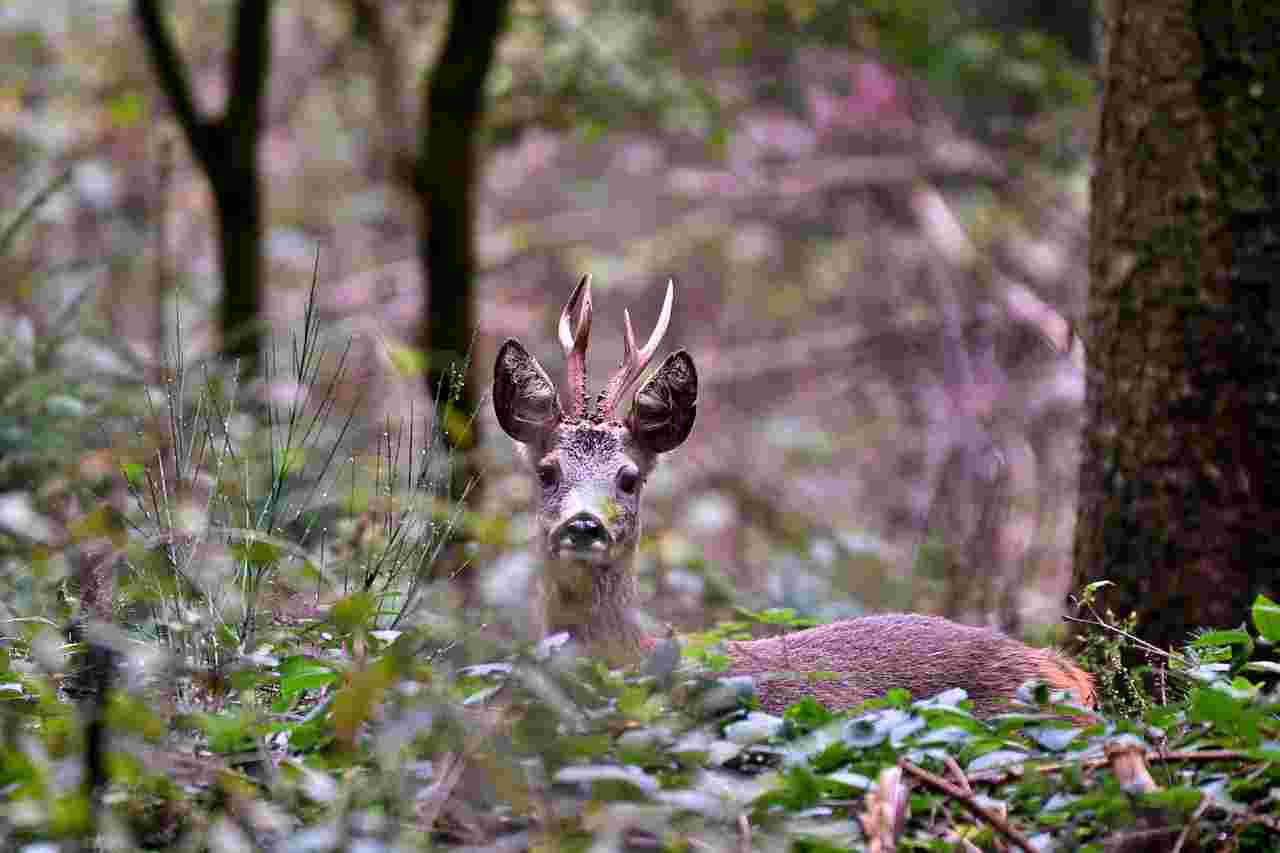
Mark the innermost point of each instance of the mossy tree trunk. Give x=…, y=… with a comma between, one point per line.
x=446, y=182
x=1180, y=483
x=226, y=147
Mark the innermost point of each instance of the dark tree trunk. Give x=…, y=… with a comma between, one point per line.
x=226, y=148
x=446, y=183
x=239, y=212
x=1180, y=483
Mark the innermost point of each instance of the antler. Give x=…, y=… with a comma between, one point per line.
x=634, y=361
x=573, y=340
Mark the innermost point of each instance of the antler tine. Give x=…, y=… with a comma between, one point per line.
x=635, y=361
x=573, y=340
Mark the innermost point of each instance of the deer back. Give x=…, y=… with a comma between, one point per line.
x=923, y=654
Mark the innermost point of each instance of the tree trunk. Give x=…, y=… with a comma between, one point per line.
x=1180, y=481
x=446, y=184
x=226, y=148
x=239, y=213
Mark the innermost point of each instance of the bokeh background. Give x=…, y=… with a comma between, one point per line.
x=874, y=213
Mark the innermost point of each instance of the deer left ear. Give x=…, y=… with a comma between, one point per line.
x=663, y=410
x=524, y=397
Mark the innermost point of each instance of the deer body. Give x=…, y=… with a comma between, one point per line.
x=591, y=466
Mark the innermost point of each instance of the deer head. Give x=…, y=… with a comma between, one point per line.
x=590, y=466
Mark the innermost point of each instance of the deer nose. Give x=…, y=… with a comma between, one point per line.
x=583, y=531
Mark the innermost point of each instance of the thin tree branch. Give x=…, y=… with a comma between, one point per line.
x=172, y=72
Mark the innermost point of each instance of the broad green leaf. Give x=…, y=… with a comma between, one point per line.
x=1233, y=716
x=1266, y=616
x=302, y=672
x=1230, y=637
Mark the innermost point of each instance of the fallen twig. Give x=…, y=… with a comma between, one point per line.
x=995, y=776
x=957, y=771
x=886, y=811
x=970, y=805
x=1191, y=823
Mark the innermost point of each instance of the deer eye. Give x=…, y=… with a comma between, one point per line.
x=549, y=475
x=628, y=481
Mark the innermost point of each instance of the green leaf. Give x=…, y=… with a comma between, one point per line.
x=302, y=672
x=1266, y=616
x=257, y=552
x=635, y=703
x=70, y=816
x=228, y=732
x=409, y=361
x=135, y=473
x=1263, y=666
x=104, y=522
x=127, y=109
x=807, y=715
x=291, y=460
x=354, y=612
x=1182, y=800
x=315, y=732
x=1233, y=716
x=1236, y=636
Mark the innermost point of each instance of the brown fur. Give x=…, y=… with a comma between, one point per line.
x=612, y=632
x=923, y=654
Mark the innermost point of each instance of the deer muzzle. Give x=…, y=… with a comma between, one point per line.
x=582, y=536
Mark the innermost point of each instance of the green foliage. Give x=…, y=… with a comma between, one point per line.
x=338, y=725
x=603, y=65
x=944, y=43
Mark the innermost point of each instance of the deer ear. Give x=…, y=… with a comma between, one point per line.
x=524, y=398
x=664, y=408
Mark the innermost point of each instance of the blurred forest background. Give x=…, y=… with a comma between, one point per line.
x=874, y=213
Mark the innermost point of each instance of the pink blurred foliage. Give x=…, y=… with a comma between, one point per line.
x=875, y=97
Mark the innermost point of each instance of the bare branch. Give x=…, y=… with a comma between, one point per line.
x=970, y=805
x=172, y=72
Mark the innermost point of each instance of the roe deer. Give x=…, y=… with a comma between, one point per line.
x=590, y=465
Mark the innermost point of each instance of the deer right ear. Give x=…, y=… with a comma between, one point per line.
x=664, y=408
x=524, y=398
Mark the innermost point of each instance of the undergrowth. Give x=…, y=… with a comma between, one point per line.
x=276, y=673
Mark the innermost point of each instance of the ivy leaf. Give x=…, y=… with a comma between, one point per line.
x=1226, y=712
x=1266, y=616
x=302, y=672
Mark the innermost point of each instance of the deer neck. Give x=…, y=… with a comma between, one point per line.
x=595, y=606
